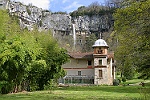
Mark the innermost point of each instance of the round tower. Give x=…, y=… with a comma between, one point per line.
x=100, y=47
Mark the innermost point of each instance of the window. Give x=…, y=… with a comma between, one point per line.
x=89, y=63
x=99, y=51
x=80, y=40
x=100, y=62
x=79, y=72
x=100, y=73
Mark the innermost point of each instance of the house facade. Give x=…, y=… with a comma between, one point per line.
x=93, y=67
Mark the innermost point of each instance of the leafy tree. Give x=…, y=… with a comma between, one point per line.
x=54, y=57
x=16, y=53
x=93, y=9
x=27, y=57
x=132, y=30
x=59, y=12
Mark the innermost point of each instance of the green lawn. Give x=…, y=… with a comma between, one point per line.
x=135, y=81
x=85, y=93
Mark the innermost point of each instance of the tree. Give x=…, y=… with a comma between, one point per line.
x=54, y=57
x=93, y=9
x=17, y=52
x=27, y=57
x=16, y=55
x=132, y=30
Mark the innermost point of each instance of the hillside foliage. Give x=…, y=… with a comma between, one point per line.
x=93, y=9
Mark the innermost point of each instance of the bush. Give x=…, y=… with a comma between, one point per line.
x=5, y=87
x=28, y=11
x=115, y=82
x=51, y=85
x=123, y=79
x=119, y=80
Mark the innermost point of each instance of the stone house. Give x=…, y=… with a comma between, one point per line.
x=95, y=67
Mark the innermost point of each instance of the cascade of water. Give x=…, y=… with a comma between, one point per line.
x=74, y=34
x=53, y=33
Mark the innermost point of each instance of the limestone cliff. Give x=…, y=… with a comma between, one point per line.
x=30, y=15
x=61, y=24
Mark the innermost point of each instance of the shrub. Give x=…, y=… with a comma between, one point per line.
x=119, y=80
x=115, y=82
x=51, y=85
x=123, y=79
x=28, y=10
x=40, y=23
x=5, y=87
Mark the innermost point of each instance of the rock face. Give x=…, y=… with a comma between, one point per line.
x=61, y=24
x=94, y=23
x=30, y=15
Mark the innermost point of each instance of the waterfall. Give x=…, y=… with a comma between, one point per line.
x=74, y=35
x=53, y=32
x=7, y=5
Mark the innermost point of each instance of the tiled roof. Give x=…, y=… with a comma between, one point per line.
x=110, y=55
x=79, y=55
x=87, y=55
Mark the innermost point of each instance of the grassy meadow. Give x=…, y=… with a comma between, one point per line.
x=86, y=93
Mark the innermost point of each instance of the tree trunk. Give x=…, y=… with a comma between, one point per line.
x=16, y=89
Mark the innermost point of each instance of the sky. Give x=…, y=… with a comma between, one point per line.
x=60, y=5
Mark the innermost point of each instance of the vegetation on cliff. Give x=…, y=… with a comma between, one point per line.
x=93, y=9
